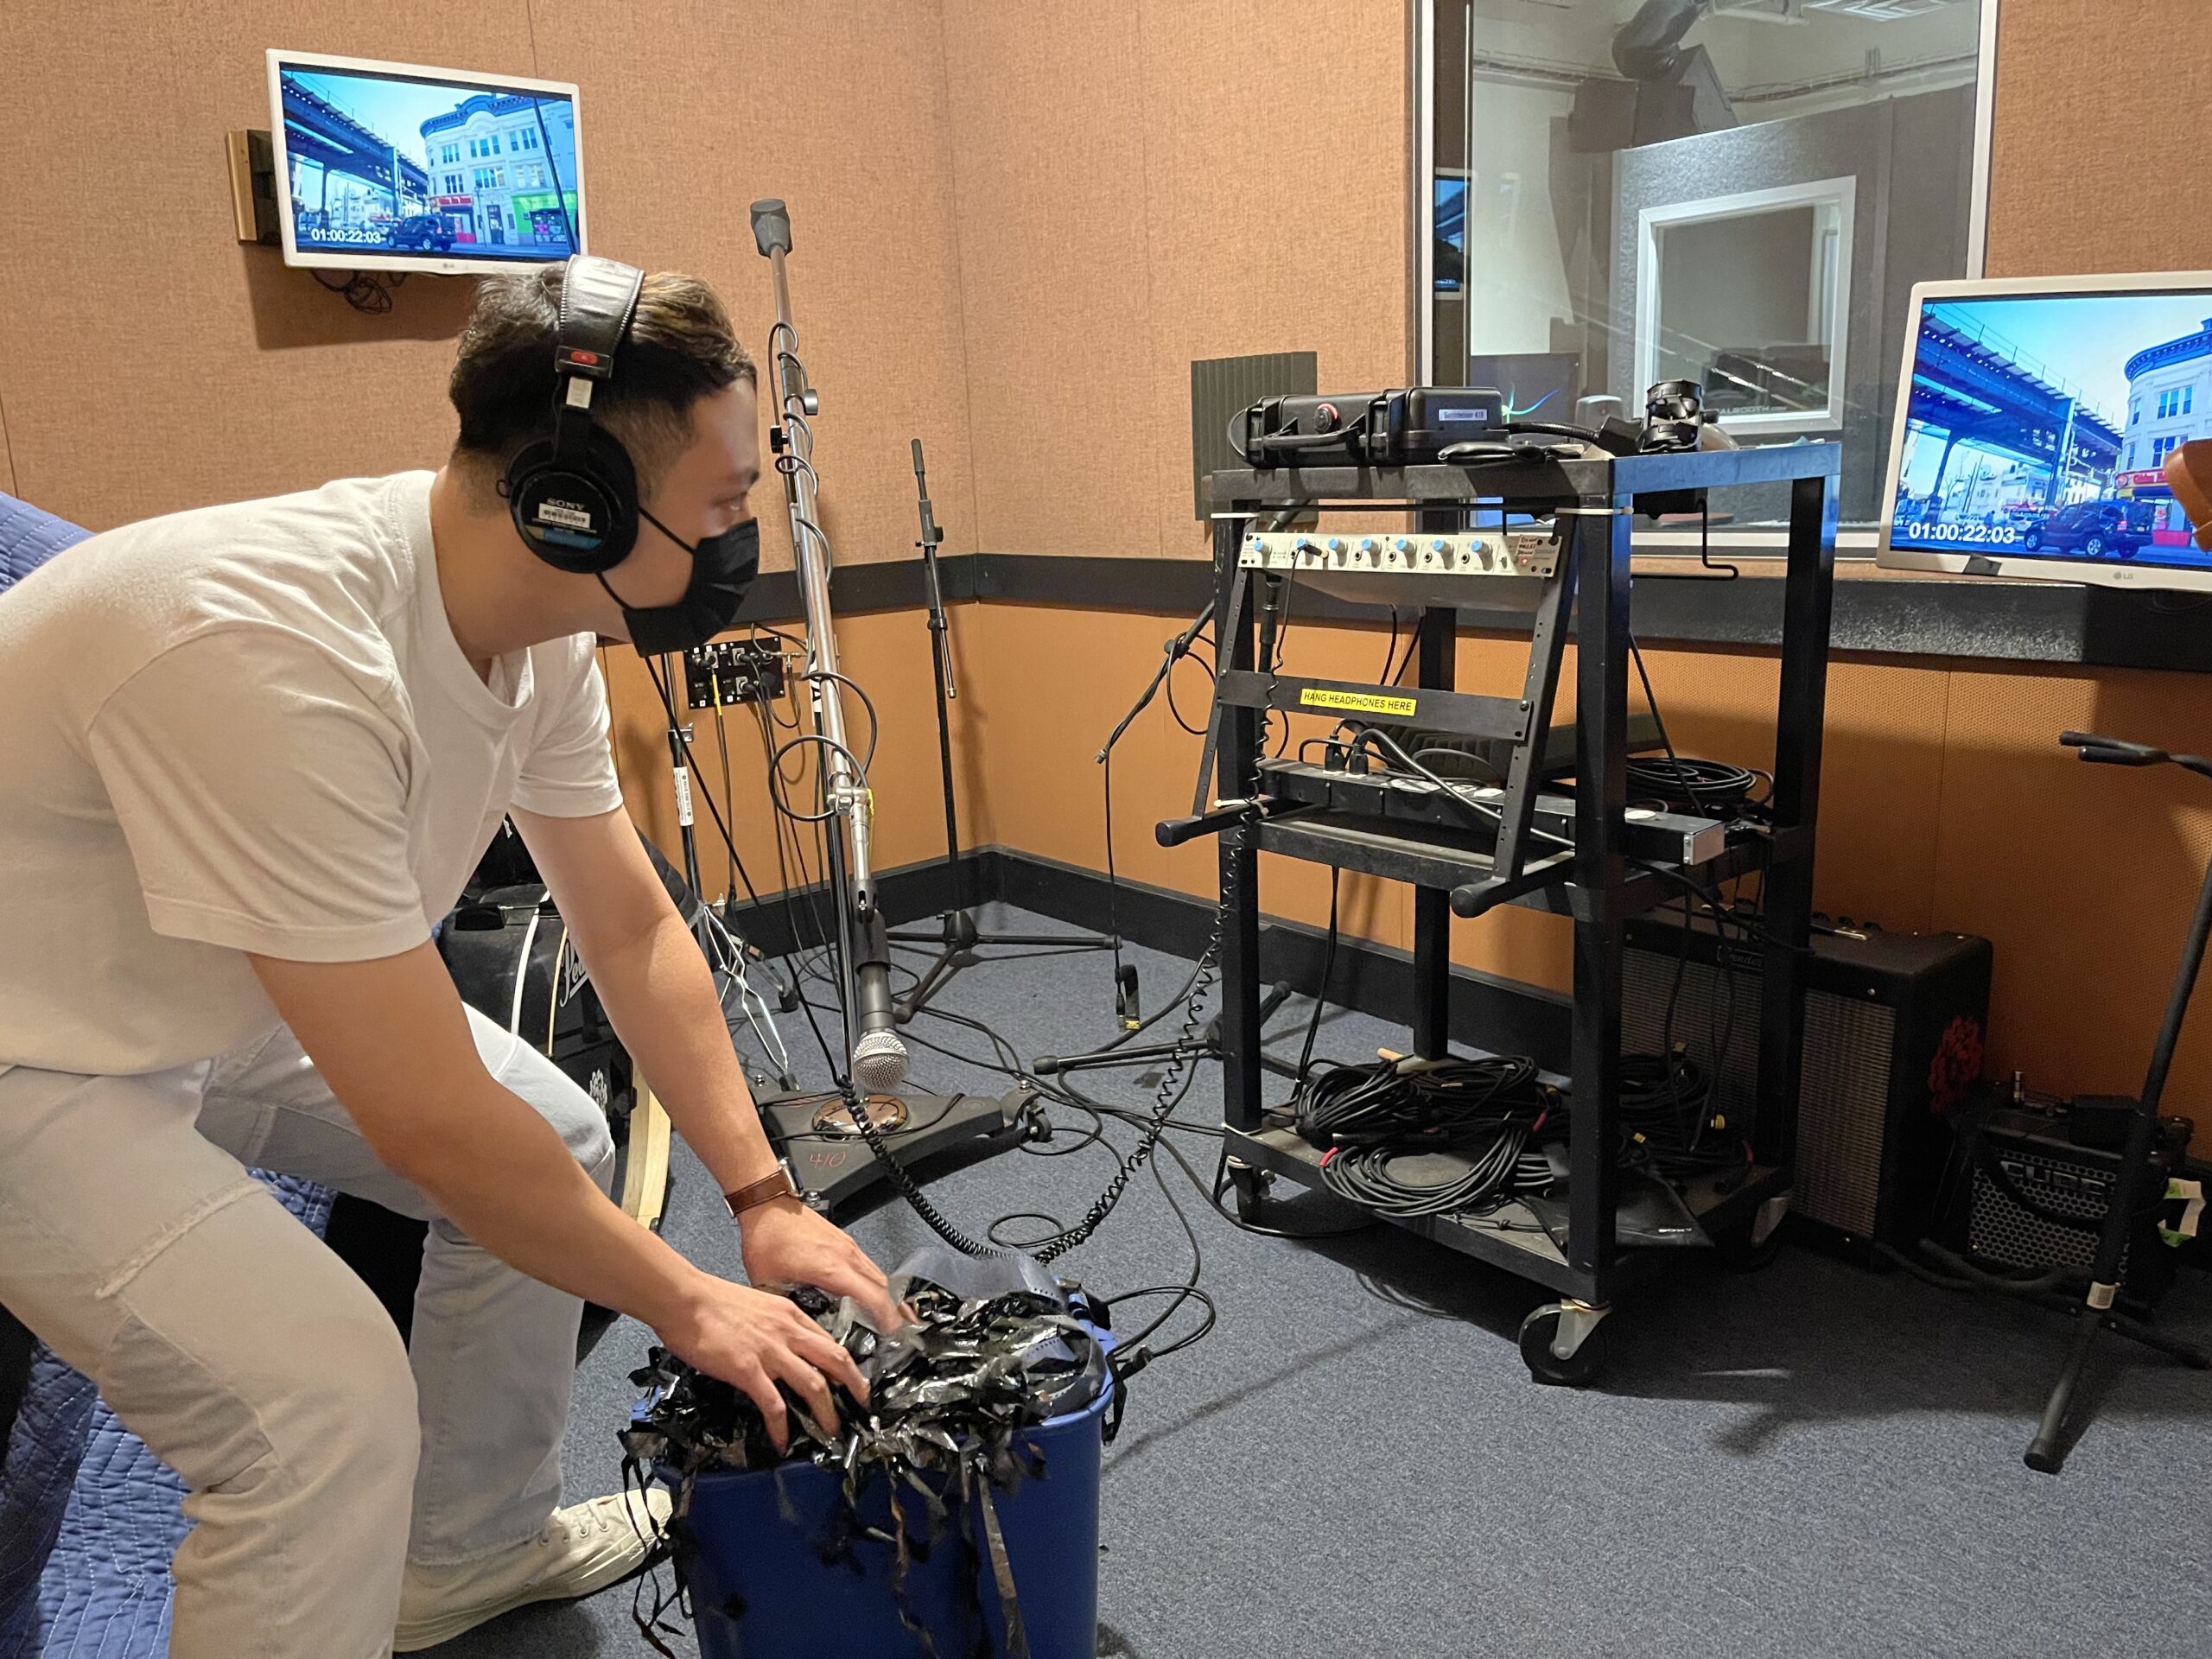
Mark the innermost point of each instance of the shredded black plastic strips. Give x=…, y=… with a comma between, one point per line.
x=948, y=1392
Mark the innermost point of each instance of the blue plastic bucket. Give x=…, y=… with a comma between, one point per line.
x=760, y=1589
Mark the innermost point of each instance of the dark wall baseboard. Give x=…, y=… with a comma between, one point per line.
x=893, y=585
x=1960, y=619
x=1487, y=1011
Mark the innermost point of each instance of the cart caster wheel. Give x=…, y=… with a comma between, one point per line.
x=1739, y=1254
x=1540, y=1340
x=1251, y=1186
x=1754, y=1249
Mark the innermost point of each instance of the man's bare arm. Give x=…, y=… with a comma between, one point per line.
x=657, y=989
x=391, y=1040
x=649, y=972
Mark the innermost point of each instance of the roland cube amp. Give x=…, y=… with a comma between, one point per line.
x=2041, y=1180
x=1893, y=1029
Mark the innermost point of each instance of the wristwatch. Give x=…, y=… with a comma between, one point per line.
x=777, y=1184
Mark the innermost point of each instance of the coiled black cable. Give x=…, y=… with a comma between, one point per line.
x=1477, y=1176
x=1169, y=1094
x=1482, y=1114
x=1671, y=1122
x=1384, y=1099
x=1169, y=1090
x=1709, y=788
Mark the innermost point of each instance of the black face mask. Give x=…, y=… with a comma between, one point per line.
x=722, y=567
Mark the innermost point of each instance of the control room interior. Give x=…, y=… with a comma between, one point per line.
x=1023, y=237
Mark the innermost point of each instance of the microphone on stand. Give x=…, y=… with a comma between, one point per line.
x=878, y=1057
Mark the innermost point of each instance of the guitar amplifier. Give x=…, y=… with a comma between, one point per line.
x=1893, y=1029
x=2039, y=1196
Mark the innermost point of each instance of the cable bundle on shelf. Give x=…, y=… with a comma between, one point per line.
x=1483, y=1114
x=1671, y=1122
x=1708, y=788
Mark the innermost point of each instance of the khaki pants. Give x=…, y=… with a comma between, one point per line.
x=254, y=1362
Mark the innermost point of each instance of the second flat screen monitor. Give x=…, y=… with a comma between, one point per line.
x=1536, y=385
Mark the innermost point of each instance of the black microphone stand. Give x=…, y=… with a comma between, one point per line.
x=960, y=938
x=839, y=1142
x=719, y=940
x=2056, y=1434
x=1206, y=1043
x=1205, y=1046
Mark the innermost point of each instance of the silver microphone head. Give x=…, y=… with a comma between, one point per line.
x=879, y=1063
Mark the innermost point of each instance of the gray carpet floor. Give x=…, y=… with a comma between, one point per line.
x=1810, y=1460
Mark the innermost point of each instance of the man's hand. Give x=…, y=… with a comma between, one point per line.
x=753, y=1340
x=785, y=1242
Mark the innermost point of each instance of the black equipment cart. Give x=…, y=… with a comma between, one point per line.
x=1585, y=858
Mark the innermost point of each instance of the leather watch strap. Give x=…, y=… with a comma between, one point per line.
x=778, y=1184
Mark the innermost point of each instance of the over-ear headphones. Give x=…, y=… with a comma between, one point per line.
x=574, y=496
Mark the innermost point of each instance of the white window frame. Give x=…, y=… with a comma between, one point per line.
x=1840, y=193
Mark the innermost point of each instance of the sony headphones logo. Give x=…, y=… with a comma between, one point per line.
x=567, y=514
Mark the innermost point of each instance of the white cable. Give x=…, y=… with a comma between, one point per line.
x=771, y=1039
x=522, y=972
x=756, y=1010
x=726, y=959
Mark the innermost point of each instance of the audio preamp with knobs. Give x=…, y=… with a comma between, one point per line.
x=1455, y=553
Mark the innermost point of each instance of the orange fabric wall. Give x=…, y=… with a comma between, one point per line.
x=153, y=362
x=1145, y=182
x=1948, y=804
x=1015, y=228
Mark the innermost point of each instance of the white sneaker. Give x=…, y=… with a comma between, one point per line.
x=583, y=1548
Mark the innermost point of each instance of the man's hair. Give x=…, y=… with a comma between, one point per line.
x=680, y=347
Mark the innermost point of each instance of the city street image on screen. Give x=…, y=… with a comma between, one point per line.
x=1451, y=251
x=392, y=166
x=2039, y=426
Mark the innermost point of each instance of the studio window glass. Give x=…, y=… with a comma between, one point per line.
x=1736, y=192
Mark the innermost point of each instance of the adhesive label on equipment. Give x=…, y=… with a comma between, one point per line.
x=2190, y=1196
x=682, y=796
x=567, y=514
x=1358, y=702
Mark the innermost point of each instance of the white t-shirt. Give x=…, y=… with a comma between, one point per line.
x=248, y=727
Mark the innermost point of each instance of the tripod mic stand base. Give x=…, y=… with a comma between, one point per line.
x=958, y=943
x=832, y=1166
x=1205, y=1044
